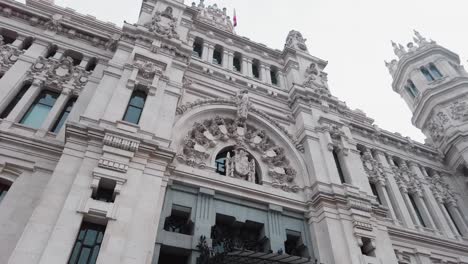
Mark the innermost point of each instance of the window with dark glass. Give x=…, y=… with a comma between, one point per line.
x=434, y=71
x=91, y=65
x=51, y=51
x=27, y=43
x=237, y=62
x=274, y=76
x=63, y=116
x=427, y=74
x=375, y=192
x=3, y=190
x=416, y=209
x=135, y=107
x=39, y=110
x=198, y=48
x=294, y=245
x=179, y=220
x=452, y=219
x=105, y=191
x=256, y=69
x=338, y=165
x=218, y=55
x=411, y=89
x=367, y=248
x=15, y=100
x=87, y=244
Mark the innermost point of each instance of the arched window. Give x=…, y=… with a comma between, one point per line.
x=51, y=51
x=256, y=69
x=197, y=47
x=427, y=74
x=76, y=56
x=218, y=55
x=237, y=62
x=27, y=43
x=338, y=165
x=237, y=163
x=434, y=71
x=411, y=89
x=135, y=107
x=91, y=65
x=8, y=36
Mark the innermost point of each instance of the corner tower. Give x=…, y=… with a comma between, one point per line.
x=434, y=84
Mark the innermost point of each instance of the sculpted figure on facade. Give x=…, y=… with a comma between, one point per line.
x=8, y=56
x=296, y=41
x=243, y=104
x=241, y=165
x=398, y=49
x=55, y=23
x=215, y=16
x=392, y=66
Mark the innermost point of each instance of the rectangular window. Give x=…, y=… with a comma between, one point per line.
x=135, y=107
x=274, y=78
x=87, y=244
x=375, y=192
x=39, y=110
x=105, y=191
x=15, y=100
x=255, y=71
x=3, y=190
x=338, y=166
x=63, y=116
x=237, y=64
x=179, y=221
x=416, y=209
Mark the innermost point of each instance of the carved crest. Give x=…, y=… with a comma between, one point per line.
x=164, y=24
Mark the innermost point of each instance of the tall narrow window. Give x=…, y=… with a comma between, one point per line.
x=375, y=192
x=76, y=56
x=87, y=244
x=63, y=116
x=427, y=74
x=452, y=219
x=434, y=71
x=411, y=89
x=135, y=107
x=416, y=209
x=338, y=166
x=8, y=36
x=39, y=110
x=256, y=69
x=198, y=48
x=274, y=75
x=27, y=43
x=237, y=62
x=3, y=190
x=218, y=55
x=15, y=100
x=51, y=51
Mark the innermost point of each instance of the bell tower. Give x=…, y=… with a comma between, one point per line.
x=434, y=84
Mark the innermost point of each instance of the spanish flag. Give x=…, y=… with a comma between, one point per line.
x=235, y=18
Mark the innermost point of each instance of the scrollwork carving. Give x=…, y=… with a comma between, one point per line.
x=163, y=24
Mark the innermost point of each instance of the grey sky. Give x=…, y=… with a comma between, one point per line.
x=353, y=35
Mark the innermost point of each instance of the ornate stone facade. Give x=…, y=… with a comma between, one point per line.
x=179, y=141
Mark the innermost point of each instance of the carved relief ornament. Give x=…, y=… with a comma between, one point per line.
x=206, y=135
x=164, y=24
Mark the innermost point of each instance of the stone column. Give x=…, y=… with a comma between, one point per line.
x=411, y=209
x=12, y=80
x=385, y=199
x=226, y=59
x=230, y=63
x=210, y=53
x=268, y=74
x=205, y=55
x=55, y=112
x=205, y=218
x=276, y=230
x=22, y=106
x=281, y=80
x=398, y=200
x=450, y=222
x=458, y=218
x=247, y=67
x=421, y=204
x=263, y=73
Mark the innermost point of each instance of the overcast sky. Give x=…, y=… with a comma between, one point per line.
x=352, y=35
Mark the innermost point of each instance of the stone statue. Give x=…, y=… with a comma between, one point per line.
x=295, y=40
x=243, y=104
x=392, y=66
x=419, y=39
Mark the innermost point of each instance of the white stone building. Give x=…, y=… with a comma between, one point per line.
x=174, y=139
